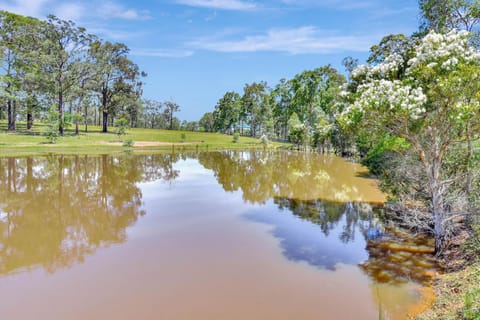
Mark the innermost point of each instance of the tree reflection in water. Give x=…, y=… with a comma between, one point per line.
x=55, y=210
x=330, y=220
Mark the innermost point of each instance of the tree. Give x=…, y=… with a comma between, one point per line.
x=64, y=49
x=444, y=15
x=428, y=105
x=18, y=39
x=207, y=122
x=117, y=77
x=170, y=108
x=398, y=44
x=227, y=112
x=252, y=106
x=282, y=107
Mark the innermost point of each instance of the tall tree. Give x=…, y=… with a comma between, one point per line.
x=428, y=105
x=117, y=76
x=227, y=112
x=18, y=39
x=207, y=122
x=170, y=108
x=444, y=15
x=65, y=49
x=252, y=103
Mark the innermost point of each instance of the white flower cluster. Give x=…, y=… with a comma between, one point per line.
x=444, y=50
x=393, y=95
x=391, y=64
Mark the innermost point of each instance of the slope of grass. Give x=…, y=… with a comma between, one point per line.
x=25, y=141
x=457, y=296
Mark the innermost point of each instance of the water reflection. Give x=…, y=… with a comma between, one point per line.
x=263, y=175
x=317, y=217
x=55, y=210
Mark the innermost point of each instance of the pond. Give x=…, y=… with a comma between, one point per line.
x=216, y=235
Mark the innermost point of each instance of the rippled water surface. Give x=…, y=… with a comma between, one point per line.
x=219, y=235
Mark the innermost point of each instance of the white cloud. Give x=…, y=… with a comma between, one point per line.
x=162, y=53
x=72, y=10
x=336, y=4
x=220, y=4
x=33, y=8
x=114, y=34
x=301, y=40
x=69, y=11
x=114, y=10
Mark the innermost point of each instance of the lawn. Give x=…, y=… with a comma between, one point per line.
x=27, y=141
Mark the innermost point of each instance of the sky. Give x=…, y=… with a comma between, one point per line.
x=194, y=51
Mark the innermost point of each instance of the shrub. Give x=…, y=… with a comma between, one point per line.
x=236, y=137
x=52, y=124
x=128, y=143
x=121, y=126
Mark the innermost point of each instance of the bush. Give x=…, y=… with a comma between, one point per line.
x=236, y=137
x=183, y=137
x=121, y=126
x=128, y=143
x=52, y=124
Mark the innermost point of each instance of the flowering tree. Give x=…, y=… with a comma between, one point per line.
x=429, y=99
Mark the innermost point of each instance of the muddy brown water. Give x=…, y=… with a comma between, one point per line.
x=219, y=235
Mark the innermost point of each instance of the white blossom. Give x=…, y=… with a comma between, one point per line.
x=391, y=95
x=444, y=50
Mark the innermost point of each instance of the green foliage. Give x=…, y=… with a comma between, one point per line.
x=236, y=137
x=121, y=126
x=471, y=310
x=51, y=127
x=128, y=143
x=183, y=137
x=376, y=156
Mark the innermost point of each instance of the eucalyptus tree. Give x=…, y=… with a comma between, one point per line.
x=428, y=105
x=226, y=115
x=314, y=92
x=207, y=122
x=441, y=16
x=444, y=15
x=116, y=75
x=282, y=107
x=18, y=41
x=170, y=108
x=65, y=48
x=253, y=106
x=152, y=114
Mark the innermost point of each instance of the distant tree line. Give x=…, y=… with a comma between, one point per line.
x=300, y=110
x=54, y=71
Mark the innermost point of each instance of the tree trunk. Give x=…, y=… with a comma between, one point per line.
x=468, y=183
x=11, y=110
x=60, y=113
x=105, y=122
x=29, y=118
x=86, y=118
x=104, y=111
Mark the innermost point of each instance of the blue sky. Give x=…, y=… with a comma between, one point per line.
x=196, y=50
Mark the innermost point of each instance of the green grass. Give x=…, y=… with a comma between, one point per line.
x=32, y=141
x=457, y=296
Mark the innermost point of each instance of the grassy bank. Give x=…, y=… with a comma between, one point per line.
x=32, y=141
x=457, y=296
